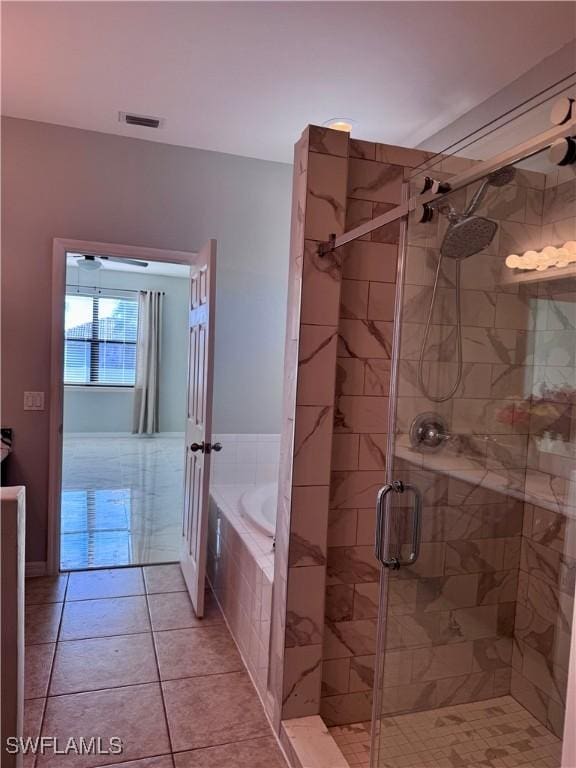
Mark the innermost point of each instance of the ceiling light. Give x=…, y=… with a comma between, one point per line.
x=89, y=263
x=340, y=124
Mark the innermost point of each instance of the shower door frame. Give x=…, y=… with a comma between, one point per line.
x=516, y=154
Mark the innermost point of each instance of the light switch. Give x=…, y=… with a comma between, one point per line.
x=33, y=401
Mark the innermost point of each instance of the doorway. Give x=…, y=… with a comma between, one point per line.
x=120, y=374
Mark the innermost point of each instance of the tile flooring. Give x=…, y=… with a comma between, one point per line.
x=498, y=733
x=121, y=653
x=122, y=500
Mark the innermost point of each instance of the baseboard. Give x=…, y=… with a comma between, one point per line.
x=36, y=568
x=74, y=435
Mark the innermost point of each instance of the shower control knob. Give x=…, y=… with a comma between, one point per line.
x=562, y=111
x=563, y=151
x=428, y=432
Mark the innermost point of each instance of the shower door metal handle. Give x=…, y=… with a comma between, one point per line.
x=382, y=532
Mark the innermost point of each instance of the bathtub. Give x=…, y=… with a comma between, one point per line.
x=258, y=505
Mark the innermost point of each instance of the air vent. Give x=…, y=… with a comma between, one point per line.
x=145, y=121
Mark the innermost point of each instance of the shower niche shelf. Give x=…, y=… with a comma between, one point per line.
x=533, y=276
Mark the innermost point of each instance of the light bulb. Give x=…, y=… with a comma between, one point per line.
x=513, y=261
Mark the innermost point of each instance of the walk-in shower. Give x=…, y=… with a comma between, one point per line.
x=477, y=506
x=466, y=236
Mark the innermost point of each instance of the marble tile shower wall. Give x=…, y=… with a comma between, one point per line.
x=376, y=177
x=318, y=209
x=451, y=626
x=452, y=618
x=548, y=560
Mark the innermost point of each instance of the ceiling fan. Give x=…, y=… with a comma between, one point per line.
x=90, y=262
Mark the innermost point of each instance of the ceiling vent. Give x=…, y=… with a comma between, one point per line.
x=145, y=121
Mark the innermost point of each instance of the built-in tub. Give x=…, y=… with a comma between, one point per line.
x=258, y=505
x=240, y=569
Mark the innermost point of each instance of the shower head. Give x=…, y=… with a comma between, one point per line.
x=468, y=234
x=498, y=178
x=467, y=237
x=502, y=176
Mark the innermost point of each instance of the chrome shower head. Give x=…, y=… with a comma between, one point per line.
x=502, y=176
x=498, y=178
x=467, y=237
x=468, y=234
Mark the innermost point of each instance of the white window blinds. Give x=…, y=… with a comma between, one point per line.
x=100, y=340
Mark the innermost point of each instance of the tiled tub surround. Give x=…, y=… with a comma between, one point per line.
x=245, y=459
x=240, y=556
x=121, y=653
x=241, y=572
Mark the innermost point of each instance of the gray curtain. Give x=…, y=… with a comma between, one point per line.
x=148, y=350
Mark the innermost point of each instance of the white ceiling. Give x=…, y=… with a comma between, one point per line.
x=245, y=78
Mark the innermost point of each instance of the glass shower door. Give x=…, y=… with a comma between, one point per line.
x=478, y=523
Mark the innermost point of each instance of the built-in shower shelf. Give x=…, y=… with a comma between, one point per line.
x=510, y=277
x=536, y=487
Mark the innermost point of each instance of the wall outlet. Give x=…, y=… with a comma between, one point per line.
x=33, y=401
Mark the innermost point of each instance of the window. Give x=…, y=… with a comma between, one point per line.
x=100, y=340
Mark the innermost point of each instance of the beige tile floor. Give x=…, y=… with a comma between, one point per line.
x=121, y=653
x=498, y=733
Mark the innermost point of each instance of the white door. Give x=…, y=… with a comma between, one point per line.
x=199, y=424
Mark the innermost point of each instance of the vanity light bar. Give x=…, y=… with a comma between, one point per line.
x=547, y=257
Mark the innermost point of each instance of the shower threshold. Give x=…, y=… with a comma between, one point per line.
x=496, y=733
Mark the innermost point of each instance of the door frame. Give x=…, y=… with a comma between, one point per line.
x=60, y=248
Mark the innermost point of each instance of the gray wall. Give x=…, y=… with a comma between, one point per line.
x=87, y=409
x=65, y=182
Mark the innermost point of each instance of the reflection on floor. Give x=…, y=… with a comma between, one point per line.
x=498, y=733
x=121, y=653
x=121, y=500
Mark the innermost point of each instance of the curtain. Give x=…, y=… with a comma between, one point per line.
x=148, y=349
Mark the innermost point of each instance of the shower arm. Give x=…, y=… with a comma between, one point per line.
x=519, y=152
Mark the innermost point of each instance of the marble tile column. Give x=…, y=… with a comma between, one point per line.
x=319, y=210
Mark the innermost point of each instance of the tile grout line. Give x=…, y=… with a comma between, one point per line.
x=43, y=718
x=150, y=631
x=135, y=685
x=164, y=708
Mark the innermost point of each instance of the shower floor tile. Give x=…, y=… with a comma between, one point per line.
x=498, y=733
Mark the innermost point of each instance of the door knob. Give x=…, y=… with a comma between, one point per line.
x=206, y=447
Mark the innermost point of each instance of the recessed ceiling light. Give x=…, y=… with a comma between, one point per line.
x=340, y=124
